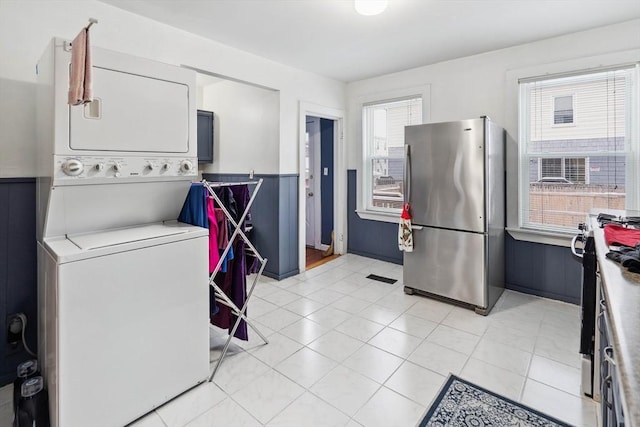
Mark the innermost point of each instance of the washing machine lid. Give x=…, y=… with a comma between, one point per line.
x=105, y=239
x=76, y=247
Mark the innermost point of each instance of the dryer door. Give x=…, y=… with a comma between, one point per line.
x=131, y=113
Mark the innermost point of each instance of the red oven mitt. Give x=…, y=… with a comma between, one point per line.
x=617, y=235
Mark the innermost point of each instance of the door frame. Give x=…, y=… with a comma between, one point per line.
x=339, y=177
x=317, y=189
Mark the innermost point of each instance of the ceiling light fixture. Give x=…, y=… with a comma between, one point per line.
x=370, y=7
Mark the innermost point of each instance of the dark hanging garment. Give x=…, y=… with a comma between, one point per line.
x=239, y=281
x=253, y=265
x=234, y=282
x=225, y=194
x=194, y=209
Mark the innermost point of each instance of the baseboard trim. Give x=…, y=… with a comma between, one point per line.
x=281, y=276
x=539, y=293
x=376, y=256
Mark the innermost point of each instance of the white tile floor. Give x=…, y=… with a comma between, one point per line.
x=348, y=351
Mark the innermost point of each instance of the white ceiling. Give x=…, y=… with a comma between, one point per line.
x=329, y=38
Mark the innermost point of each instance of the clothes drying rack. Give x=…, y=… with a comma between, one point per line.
x=221, y=297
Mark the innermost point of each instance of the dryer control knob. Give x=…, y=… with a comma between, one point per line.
x=72, y=167
x=150, y=166
x=166, y=166
x=117, y=167
x=186, y=166
x=99, y=166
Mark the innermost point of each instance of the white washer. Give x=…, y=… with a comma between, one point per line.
x=123, y=291
x=123, y=320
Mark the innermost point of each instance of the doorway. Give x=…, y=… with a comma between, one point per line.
x=321, y=193
x=319, y=189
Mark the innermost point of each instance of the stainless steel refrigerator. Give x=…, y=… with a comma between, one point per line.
x=455, y=183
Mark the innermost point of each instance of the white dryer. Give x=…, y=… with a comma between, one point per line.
x=122, y=287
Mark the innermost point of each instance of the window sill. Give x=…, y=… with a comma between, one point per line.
x=379, y=216
x=557, y=238
x=563, y=125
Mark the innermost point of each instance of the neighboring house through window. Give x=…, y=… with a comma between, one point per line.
x=383, y=146
x=570, y=170
x=563, y=110
x=576, y=162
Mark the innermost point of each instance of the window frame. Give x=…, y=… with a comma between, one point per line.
x=510, y=120
x=370, y=156
x=364, y=184
x=631, y=151
x=563, y=167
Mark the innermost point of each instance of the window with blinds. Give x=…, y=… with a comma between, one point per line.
x=578, y=146
x=383, y=146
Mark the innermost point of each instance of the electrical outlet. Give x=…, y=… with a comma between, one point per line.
x=14, y=330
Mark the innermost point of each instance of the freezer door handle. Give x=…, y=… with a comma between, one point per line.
x=407, y=173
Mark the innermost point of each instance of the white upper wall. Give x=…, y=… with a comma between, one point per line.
x=487, y=85
x=479, y=85
x=27, y=26
x=247, y=120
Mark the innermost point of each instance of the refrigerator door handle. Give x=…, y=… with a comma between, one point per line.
x=407, y=173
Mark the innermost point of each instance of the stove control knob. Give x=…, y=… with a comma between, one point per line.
x=166, y=166
x=99, y=167
x=117, y=167
x=150, y=166
x=186, y=166
x=72, y=167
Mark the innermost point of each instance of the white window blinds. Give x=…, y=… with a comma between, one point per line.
x=383, y=146
x=578, y=146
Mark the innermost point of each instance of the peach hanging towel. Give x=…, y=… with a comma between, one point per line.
x=80, y=78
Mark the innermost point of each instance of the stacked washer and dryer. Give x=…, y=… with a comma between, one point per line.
x=122, y=287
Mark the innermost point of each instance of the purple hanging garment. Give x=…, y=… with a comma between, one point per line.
x=234, y=282
x=239, y=269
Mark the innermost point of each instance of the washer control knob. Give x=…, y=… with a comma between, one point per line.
x=117, y=167
x=150, y=166
x=72, y=167
x=99, y=167
x=166, y=166
x=186, y=166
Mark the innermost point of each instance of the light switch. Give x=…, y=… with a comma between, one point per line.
x=326, y=172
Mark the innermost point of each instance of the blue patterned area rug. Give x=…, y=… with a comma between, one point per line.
x=463, y=404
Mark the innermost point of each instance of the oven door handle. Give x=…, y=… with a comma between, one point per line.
x=574, y=250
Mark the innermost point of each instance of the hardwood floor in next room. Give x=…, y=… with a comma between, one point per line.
x=315, y=258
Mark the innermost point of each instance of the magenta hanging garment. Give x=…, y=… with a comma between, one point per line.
x=214, y=253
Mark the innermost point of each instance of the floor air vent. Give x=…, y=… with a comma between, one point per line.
x=381, y=279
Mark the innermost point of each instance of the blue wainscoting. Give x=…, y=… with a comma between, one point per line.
x=532, y=268
x=18, y=268
x=372, y=239
x=544, y=270
x=274, y=215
